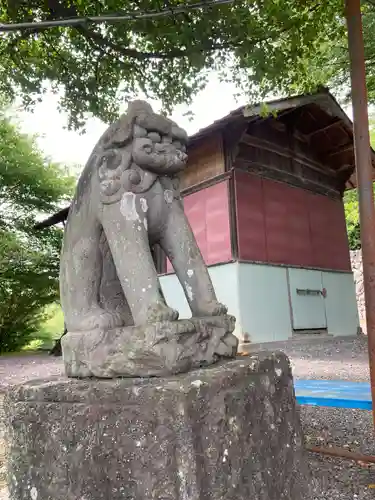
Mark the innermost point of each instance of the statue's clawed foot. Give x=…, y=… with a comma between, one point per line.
x=161, y=312
x=99, y=319
x=212, y=308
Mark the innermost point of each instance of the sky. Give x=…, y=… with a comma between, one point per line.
x=70, y=147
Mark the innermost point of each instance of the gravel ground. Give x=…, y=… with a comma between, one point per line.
x=17, y=369
x=327, y=358
x=344, y=359
x=321, y=358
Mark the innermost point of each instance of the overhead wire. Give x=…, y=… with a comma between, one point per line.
x=110, y=18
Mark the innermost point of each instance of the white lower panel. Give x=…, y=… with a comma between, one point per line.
x=264, y=302
x=258, y=296
x=340, y=302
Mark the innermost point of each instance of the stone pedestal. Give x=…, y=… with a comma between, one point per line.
x=228, y=432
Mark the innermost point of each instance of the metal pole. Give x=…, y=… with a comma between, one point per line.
x=342, y=453
x=364, y=172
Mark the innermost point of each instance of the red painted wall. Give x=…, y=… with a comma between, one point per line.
x=281, y=224
x=208, y=214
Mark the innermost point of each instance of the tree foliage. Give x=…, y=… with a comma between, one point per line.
x=352, y=219
x=331, y=65
x=29, y=259
x=261, y=45
x=351, y=205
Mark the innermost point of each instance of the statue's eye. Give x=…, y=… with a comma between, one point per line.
x=147, y=148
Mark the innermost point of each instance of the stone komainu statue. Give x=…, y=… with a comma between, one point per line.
x=127, y=199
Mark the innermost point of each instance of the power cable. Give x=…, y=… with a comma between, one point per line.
x=114, y=18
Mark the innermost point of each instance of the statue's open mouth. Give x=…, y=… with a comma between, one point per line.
x=159, y=145
x=160, y=157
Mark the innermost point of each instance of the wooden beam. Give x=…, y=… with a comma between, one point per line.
x=345, y=168
x=207, y=183
x=60, y=216
x=287, y=153
x=340, y=150
x=230, y=147
x=300, y=136
x=324, y=129
x=282, y=127
x=274, y=173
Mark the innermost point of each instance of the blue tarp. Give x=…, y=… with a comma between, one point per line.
x=336, y=393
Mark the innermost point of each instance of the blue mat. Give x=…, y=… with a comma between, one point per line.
x=336, y=393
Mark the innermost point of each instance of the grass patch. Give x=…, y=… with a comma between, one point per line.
x=54, y=325
x=50, y=330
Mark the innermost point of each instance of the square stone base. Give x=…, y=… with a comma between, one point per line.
x=228, y=432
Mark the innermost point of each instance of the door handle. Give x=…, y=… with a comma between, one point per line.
x=310, y=291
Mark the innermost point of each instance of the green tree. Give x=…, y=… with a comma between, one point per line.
x=261, y=45
x=352, y=219
x=331, y=65
x=351, y=205
x=30, y=186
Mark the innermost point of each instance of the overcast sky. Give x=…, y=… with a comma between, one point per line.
x=70, y=147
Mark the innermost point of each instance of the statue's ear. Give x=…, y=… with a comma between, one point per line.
x=119, y=133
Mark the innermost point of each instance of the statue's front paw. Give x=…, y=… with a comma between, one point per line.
x=212, y=309
x=219, y=309
x=161, y=312
x=100, y=319
x=228, y=346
